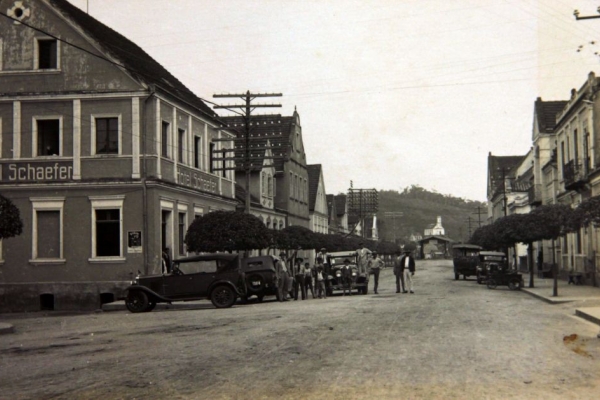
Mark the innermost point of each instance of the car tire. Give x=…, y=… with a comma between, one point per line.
x=514, y=285
x=260, y=298
x=151, y=306
x=258, y=279
x=464, y=277
x=479, y=281
x=491, y=284
x=223, y=296
x=456, y=276
x=137, y=301
x=366, y=289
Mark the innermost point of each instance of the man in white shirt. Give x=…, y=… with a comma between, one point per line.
x=363, y=258
x=407, y=269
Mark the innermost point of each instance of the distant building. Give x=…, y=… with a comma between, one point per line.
x=317, y=200
x=435, y=229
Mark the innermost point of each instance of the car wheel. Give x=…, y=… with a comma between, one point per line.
x=151, y=306
x=137, y=301
x=456, y=276
x=366, y=289
x=514, y=285
x=464, y=277
x=479, y=282
x=255, y=283
x=260, y=298
x=329, y=292
x=222, y=296
x=491, y=284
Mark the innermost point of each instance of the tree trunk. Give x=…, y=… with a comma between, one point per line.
x=530, y=263
x=554, y=272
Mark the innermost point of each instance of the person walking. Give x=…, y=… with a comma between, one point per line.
x=308, y=280
x=347, y=277
x=407, y=265
x=375, y=265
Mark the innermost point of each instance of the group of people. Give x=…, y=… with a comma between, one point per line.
x=295, y=280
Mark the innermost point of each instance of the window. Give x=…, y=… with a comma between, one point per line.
x=47, y=54
x=108, y=233
x=264, y=183
x=212, y=159
x=180, y=146
x=48, y=137
x=291, y=185
x=575, y=147
x=271, y=188
x=197, y=151
x=165, y=139
x=47, y=229
x=107, y=135
x=181, y=232
x=107, y=228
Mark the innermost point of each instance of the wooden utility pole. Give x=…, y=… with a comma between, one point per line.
x=478, y=208
x=246, y=114
x=393, y=215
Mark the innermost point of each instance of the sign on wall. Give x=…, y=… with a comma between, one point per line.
x=134, y=241
x=37, y=171
x=197, y=179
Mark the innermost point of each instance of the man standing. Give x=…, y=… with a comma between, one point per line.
x=299, y=279
x=282, y=278
x=375, y=265
x=407, y=267
x=362, y=258
x=308, y=280
x=347, y=277
x=320, y=279
x=398, y=272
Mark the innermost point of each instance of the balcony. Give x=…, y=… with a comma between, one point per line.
x=534, y=194
x=575, y=173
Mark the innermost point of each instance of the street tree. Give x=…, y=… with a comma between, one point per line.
x=587, y=213
x=227, y=231
x=11, y=224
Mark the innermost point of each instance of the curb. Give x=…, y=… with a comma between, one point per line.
x=160, y=306
x=6, y=328
x=588, y=317
x=546, y=299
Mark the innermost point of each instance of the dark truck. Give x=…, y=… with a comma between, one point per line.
x=465, y=258
x=222, y=278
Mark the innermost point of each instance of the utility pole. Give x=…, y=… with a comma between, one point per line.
x=469, y=221
x=245, y=162
x=503, y=170
x=393, y=215
x=478, y=208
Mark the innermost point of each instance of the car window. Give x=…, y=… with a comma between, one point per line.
x=255, y=264
x=195, y=267
x=494, y=258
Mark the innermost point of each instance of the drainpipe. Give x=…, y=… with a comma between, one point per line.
x=145, y=235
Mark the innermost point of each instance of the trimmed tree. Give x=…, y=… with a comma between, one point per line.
x=11, y=224
x=227, y=231
x=587, y=213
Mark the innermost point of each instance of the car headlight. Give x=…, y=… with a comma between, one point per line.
x=338, y=274
x=354, y=274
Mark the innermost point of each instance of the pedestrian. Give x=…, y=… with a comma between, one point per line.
x=375, y=265
x=323, y=254
x=166, y=261
x=347, y=277
x=320, y=280
x=407, y=266
x=398, y=272
x=308, y=280
x=299, y=287
x=362, y=257
x=282, y=278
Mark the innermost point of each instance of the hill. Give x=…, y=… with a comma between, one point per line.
x=421, y=208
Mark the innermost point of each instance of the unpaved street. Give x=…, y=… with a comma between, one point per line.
x=451, y=339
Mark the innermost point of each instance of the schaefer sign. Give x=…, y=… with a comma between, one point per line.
x=37, y=171
x=197, y=179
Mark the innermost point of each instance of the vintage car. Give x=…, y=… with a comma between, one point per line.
x=218, y=277
x=485, y=259
x=465, y=258
x=261, y=277
x=499, y=274
x=333, y=270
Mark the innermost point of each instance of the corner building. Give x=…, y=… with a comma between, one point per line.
x=104, y=152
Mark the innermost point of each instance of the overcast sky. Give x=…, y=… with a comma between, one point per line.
x=390, y=93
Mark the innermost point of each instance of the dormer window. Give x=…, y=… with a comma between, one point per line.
x=47, y=54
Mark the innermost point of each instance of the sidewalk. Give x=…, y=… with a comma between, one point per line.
x=586, y=298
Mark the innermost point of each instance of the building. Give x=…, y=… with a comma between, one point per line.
x=284, y=136
x=435, y=246
x=501, y=175
x=340, y=206
x=317, y=200
x=332, y=215
x=105, y=153
x=435, y=229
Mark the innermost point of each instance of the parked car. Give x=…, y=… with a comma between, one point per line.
x=465, y=258
x=485, y=259
x=333, y=270
x=261, y=277
x=499, y=274
x=218, y=277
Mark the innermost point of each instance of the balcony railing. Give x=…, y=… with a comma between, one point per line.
x=534, y=193
x=575, y=173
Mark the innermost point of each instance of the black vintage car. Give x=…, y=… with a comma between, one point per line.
x=486, y=258
x=261, y=277
x=218, y=277
x=465, y=258
x=333, y=270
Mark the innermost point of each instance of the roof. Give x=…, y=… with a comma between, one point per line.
x=314, y=173
x=546, y=112
x=130, y=55
x=491, y=253
x=240, y=195
x=274, y=130
x=466, y=246
x=331, y=207
x=498, y=165
x=437, y=237
x=340, y=204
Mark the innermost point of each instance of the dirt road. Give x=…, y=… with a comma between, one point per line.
x=451, y=339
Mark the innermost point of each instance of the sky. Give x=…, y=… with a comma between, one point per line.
x=390, y=93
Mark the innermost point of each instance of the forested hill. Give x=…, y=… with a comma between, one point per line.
x=420, y=209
